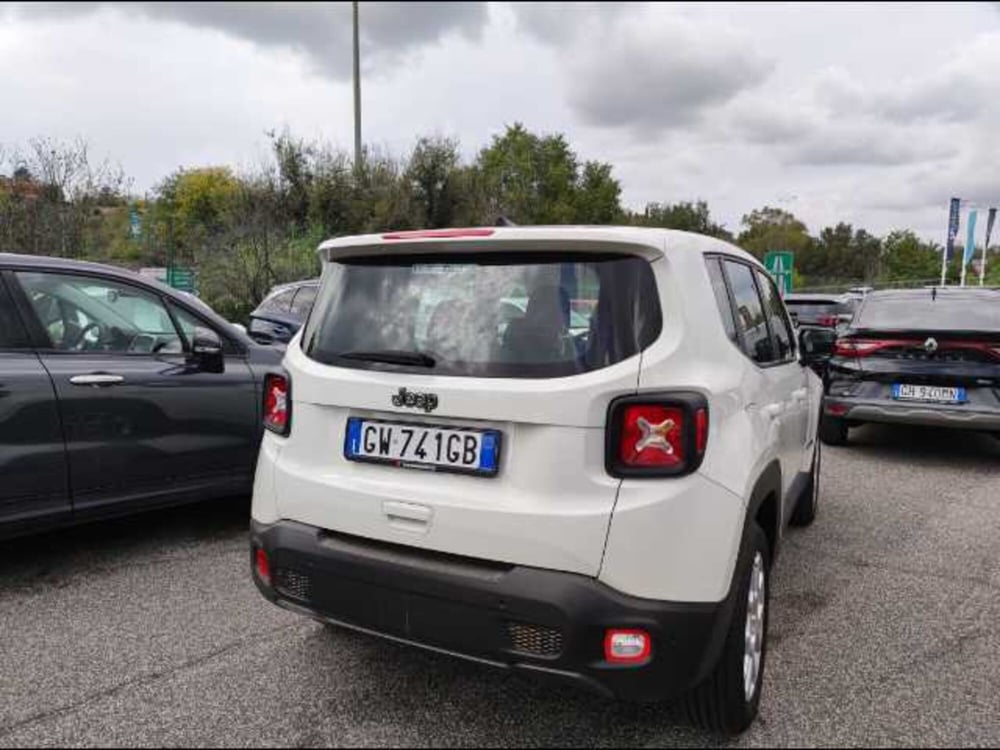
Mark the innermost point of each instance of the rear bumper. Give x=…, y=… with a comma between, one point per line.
x=524, y=619
x=929, y=415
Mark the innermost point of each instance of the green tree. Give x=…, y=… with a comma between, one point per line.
x=534, y=179
x=598, y=197
x=843, y=254
x=906, y=257
x=771, y=228
x=686, y=216
x=431, y=172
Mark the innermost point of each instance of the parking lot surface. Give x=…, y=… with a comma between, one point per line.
x=149, y=631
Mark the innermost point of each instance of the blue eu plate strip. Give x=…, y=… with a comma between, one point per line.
x=488, y=456
x=353, y=436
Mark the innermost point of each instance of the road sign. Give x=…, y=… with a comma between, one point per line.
x=780, y=264
x=181, y=278
x=134, y=222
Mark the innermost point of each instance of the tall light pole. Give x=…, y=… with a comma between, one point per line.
x=357, y=92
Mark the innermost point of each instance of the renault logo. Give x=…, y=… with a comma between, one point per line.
x=931, y=346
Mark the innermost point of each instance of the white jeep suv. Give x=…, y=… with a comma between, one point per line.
x=599, y=502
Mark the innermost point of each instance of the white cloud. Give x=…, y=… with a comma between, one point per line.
x=322, y=32
x=871, y=114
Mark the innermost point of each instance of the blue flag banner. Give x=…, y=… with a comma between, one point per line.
x=970, y=243
x=953, y=219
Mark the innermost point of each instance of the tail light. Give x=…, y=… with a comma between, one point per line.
x=262, y=566
x=277, y=403
x=862, y=347
x=656, y=435
x=830, y=321
x=627, y=646
x=866, y=347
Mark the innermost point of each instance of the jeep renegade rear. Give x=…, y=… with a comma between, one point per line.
x=559, y=450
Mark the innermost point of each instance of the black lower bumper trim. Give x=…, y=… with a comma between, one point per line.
x=544, y=622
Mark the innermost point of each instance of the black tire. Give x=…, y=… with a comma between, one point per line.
x=808, y=502
x=719, y=704
x=833, y=430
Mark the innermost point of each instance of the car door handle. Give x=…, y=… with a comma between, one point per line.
x=772, y=411
x=800, y=395
x=97, y=380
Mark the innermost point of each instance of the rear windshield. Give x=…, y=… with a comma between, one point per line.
x=521, y=315
x=923, y=312
x=810, y=309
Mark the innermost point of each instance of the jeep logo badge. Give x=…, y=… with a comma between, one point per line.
x=931, y=346
x=410, y=399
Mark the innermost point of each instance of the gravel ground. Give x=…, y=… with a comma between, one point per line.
x=148, y=631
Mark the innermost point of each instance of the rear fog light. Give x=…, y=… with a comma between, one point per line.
x=627, y=646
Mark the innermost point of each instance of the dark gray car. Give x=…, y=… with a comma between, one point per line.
x=118, y=394
x=285, y=308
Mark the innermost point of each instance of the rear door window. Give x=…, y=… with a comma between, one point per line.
x=520, y=315
x=303, y=301
x=12, y=334
x=750, y=317
x=721, y=293
x=781, y=328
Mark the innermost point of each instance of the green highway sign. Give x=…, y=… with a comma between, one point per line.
x=181, y=278
x=779, y=264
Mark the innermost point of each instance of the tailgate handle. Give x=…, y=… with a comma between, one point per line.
x=408, y=516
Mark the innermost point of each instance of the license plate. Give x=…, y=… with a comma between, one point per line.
x=939, y=394
x=419, y=446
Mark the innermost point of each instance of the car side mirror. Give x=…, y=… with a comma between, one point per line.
x=206, y=351
x=262, y=338
x=816, y=345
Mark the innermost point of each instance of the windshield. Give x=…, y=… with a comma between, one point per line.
x=510, y=315
x=957, y=312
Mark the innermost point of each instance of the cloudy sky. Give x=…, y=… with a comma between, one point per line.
x=873, y=114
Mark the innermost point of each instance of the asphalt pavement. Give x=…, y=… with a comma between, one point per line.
x=148, y=631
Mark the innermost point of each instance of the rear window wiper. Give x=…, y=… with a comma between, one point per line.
x=392, y=357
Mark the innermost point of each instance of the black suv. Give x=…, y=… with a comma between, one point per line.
x=920, y=356
x=118, y=393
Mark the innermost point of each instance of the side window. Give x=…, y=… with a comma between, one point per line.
x=780, y=327
x=718, y=280
x=91, y=314
x=281, y=302
x=750, y=315
x=303, y=302
x=12, y=335
x=189, y=322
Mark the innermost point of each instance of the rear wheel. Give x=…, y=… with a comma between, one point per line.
x=833, y=430
x=728, y=700
x=808, y=502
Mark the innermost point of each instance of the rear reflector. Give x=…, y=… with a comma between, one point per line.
x=262, y=566
x=701, y=430
x=836, y=410
x=438, y=234
x=627, y=646
x=277, y=404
